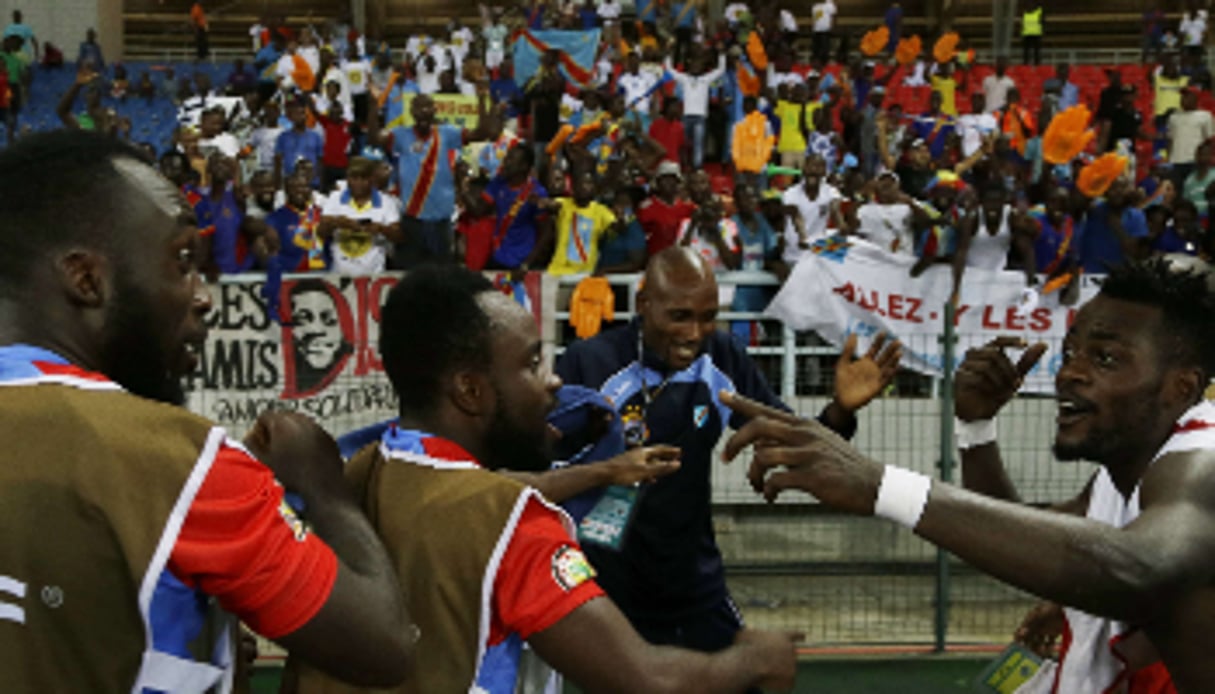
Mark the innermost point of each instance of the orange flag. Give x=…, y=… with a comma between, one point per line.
x=1067, y=135
x=875, y=41
x=946, y=47
x=908, y=50
x=1096, y=178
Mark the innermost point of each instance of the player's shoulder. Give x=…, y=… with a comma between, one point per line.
x=591, y=361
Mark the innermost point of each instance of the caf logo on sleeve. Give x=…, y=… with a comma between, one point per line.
x=570, y=568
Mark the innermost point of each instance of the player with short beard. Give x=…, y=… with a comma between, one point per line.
x=138, y=524
x=1133, y=555
x=497, y=564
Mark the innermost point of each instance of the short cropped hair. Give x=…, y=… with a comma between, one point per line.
x=59, y=189
x=1186, y=303
x=431, y=326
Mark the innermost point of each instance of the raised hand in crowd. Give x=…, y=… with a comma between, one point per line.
x=858, y=380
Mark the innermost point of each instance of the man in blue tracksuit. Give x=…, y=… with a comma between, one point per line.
x=668, y=577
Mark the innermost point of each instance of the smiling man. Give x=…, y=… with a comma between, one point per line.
x=1133, y=555
x=664, y=371
x=128, y=522
x=498, y=565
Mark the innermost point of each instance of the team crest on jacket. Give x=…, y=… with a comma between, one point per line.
x=700, y=415
x=570, y=568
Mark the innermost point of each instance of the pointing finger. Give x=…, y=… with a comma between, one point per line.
x=1030, y=357
x=751, y=409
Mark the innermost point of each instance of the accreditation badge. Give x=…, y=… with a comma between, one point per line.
x=608, y=520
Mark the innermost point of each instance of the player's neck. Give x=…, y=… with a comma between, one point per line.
x=1128, y=466
x=448, y=425
x=13, y=330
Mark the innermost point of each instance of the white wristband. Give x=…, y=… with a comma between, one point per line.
x=902, y=496
x=974, y=434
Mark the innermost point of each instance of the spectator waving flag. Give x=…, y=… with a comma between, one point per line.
x=576, y=52
x=665, y=79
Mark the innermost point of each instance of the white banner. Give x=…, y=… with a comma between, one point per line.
x=319, y=355
x=847, y=285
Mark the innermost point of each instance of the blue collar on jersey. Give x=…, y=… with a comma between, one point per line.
x=17, y=361
x=405, y=440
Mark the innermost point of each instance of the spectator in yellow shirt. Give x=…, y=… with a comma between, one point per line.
x=946, y=84
x=582, y=223
x=796, y=122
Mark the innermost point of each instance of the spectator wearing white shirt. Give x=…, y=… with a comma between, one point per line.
x=213, y=137
x=995, y=87
x=636, y=87
x=265, y=136
x=695, y=86
x=811, y=209
x=1193, y=30
x=309, y=50
x=255, y=36
x=323, y=101
x=417, y=46
x=824, y=22
x=735, y=12
x=886, y=222
x=780, y=71
x=202, y=98
x=427, y=70
x=357, y=72
x=712, y=236
x=788, y=25
x=361, y=222
x=460, y=40
x=494, y=32
x=973, y=127
x=1188, y=128
x=609, y=17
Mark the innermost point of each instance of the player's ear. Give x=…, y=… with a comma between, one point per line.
x=84, y=276
x=1185, y=385
x=470, y=391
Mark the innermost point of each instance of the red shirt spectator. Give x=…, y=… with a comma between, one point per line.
x=478, y=233
x=335, y=153
x=661, y=215
x=670, y=135
x=668, y=131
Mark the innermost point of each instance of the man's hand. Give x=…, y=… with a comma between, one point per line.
x=815, y=459
x=301, y=454
x=644, y=464
x=775, y=652
x=85, y=77
x=1041, y=629
x=857, y=381
x=987, y=378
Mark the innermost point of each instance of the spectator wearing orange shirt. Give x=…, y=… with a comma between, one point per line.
x=1017, y=123
x=198, y=20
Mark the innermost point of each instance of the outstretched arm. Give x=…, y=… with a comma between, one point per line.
x=1129, y=574
x=631, y=467
x=64, y=108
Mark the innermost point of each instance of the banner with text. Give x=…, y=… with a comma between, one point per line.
x=322, y=359
x=454, y=109
x=844, y=286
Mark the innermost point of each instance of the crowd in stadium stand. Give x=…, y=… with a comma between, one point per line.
x=512, y=146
